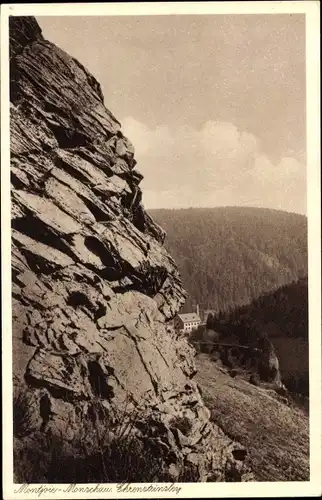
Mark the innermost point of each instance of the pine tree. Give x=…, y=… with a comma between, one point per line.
x=210, y=322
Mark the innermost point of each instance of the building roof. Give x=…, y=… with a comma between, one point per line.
x=189, y=317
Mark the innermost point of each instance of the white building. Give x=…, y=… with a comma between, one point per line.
x=185, y=323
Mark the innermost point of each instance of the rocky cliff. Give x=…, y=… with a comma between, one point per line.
x=93, y=286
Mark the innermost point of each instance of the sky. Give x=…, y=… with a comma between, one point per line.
x=213, y=104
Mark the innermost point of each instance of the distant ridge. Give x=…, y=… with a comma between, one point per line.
x=229, y=256
x=225, y=207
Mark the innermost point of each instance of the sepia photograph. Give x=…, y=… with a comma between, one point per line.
x=159, y=259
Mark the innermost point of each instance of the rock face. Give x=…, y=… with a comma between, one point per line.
x=93, y=286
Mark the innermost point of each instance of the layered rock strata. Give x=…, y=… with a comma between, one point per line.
x=93, y=287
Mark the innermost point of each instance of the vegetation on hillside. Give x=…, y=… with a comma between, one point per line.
x=279, y=318
x=105, y=450
x=282, y=313
x=230, y=256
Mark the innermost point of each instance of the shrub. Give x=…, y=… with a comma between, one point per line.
x=189, y=474
x=22, y=411
x=124, y=459
x=97, y=454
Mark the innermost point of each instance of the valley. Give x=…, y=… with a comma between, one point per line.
x=247, y=265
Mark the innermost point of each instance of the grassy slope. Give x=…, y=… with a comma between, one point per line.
x=276, y=436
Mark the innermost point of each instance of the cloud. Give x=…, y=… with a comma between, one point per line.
x=216, y=165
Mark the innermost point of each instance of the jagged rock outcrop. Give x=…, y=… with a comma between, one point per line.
x=93, y=286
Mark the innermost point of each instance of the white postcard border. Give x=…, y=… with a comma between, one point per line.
x=184, y=490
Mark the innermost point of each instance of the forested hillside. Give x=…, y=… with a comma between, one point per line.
x=232, y=255
x=282, y=313
x=282, y=316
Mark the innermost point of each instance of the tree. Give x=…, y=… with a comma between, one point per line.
x=210, y=322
